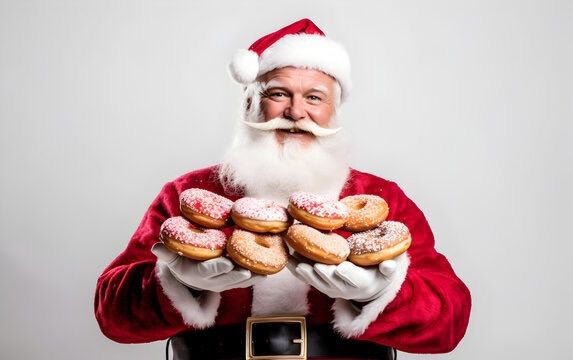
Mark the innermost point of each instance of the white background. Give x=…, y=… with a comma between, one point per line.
x=466, y=104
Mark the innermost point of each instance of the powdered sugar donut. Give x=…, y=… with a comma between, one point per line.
x=385, y=242
x=260, y=215
x=205, y=207
x=262, y=254
x=366, y=212
x=184, y=238
x=328, y=248
x=316, y=211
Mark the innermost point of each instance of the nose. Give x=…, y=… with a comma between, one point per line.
x=295, y=109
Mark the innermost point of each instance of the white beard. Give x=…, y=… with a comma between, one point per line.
x=257, y=165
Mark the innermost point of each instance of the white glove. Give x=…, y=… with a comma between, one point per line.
x=346, y=280
x=218, y=274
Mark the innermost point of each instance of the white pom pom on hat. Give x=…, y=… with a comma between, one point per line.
x=245, y=66
x=301, y=44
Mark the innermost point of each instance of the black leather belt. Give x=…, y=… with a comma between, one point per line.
x=274, y=337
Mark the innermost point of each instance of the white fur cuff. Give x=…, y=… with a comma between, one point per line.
x=351, y=322
x=198, y=312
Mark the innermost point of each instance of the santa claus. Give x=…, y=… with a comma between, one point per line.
x=288, y=140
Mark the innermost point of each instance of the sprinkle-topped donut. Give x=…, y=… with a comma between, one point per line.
x=318, y=206
x=388, y=240
x=181, y=236
x=262, y=254
x=260, y=215
x=205, y=207
x=260, y=209
x=317, y=211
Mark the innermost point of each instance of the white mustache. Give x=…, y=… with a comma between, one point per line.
x=284, y=124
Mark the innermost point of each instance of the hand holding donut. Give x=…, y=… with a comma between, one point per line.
x=216, y=275
x=346, y=280
x=374, y=240
x=195, y=235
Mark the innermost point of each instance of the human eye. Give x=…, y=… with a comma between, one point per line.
x=314, y=98
x=275, y=94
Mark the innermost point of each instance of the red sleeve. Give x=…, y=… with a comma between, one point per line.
x=431, y=311
x=130, y=305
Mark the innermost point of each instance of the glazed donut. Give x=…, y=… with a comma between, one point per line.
x=331, y=248
x=365, y=212
x=182, y=237
x=205, y=208
x=316, y=211
x=388, y=240
x=260, y=215
x=262, y=254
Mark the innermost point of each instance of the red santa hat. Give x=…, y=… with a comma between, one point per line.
x=301, y=44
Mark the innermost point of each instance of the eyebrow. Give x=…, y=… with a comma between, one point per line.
x=272, y=84
x=320, y=88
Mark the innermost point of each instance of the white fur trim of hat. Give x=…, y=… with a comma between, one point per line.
x=300, y=45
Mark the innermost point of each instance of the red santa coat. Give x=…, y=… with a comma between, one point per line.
x=425, y=309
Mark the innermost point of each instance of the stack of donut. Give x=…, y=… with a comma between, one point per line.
x=256, y=242
x=195, y=235
x=374, y=240
x=317, y=213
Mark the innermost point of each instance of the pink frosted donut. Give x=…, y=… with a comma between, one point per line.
x=182, y=237
x=316, y=211
x=260, y=215
x=205, y=207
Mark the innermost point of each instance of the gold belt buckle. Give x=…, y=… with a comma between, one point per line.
x=277, y=319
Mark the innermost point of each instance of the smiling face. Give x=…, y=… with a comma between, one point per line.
x=267, y=162
x=296, y=94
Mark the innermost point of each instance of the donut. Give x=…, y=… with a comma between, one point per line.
x=330, y=248
x=260, y=215
x=316, y=211
x=181, y=236
x=365, y=212
x=388, y=240
x=261, y=253
x=205, y=207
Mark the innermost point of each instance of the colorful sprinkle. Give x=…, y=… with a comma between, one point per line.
x=385, y=235
x=207, y=203
x=180, y=229
x=260, y=209
x=318, y=205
